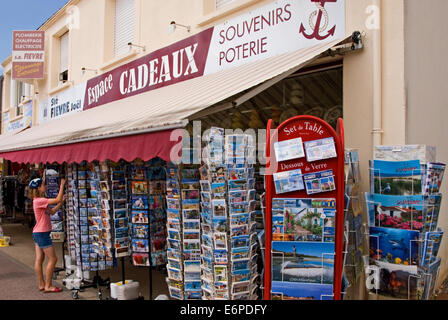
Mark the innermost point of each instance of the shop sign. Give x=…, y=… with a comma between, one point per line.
x=280, y=27
x=63, y=104
x=28, y=54
x=22, y=123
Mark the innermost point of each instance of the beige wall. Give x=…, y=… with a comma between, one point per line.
x=427, y=91
x=359, y=70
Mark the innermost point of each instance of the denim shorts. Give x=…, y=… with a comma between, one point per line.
x=42, y=239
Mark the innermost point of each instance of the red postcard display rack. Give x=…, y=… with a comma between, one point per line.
x=308, y=128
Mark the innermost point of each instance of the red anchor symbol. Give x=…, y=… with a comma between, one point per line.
x=315, y=34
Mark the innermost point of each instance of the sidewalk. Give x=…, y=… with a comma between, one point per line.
x=21, y=253
x=18, y=282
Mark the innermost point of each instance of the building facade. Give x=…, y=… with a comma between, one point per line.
x=386, y=91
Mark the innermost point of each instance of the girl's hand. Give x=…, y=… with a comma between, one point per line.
x=62, y=181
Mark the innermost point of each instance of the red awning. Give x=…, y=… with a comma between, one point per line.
x=144, y=146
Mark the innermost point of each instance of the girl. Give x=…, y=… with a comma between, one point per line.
x=42, y=230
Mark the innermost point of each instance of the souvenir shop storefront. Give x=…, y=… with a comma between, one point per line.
x=189, y=178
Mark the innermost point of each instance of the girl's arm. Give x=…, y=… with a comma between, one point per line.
x=57, y=207
x=60, y=196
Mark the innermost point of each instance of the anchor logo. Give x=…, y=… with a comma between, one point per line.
x=318, y=28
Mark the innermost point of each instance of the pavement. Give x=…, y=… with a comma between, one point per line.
x=18, y=282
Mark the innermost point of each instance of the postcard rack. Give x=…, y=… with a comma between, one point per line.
x=58, y=221
x=355, y=247
x=286, y=158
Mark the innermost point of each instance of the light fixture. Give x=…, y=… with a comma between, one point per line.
x=173, y=25
x=130, y=44
x=83, y=70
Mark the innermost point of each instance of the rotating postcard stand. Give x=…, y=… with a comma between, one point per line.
x=304, y=210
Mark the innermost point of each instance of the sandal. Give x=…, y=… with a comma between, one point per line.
x=55, y=290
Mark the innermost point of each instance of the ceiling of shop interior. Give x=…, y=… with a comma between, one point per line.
x=322, y=97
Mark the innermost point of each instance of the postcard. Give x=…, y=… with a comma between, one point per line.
x=120, y=213
x=140, y=202
x=119, y=184
x=320, y=149
x=191, y=214
x=220, y=256
x=176, y=264
x=205, y=197
x=121, y=252
x=237, y=173
x=289, y=149
x=319, y=182
x=433, y=177
x=219, y=207
x=192, y=245
x=139, y=216
x=190, y=204
x=192, y=225
x=174, y=254
x=396, y=177
x=174, y=234
x=218, y=190
x=431, y=277
x=140, y=245
x=399, y=212
x=242, y=264
x=431, y=247
x=173, y=244
x=219, y=224
x=193, y=255
x=239, y=219
x=191, y=235
x=240, y=253
x=240, y=241
x=173, y=204
x=192, y=286
x=220, y=273
x=396, y=246
x=301, y=291
x=207, y=251
x=220, y=240
x=304, y=219
x=288, y=181
x=192, y=194
x=121, y=223
x=175, y=274
x=139, y=187
x=307, y=262
x=238, y=208
x=240, y=287
x=237, y=196
x=238, y=185
x=192, y=266
x=241, y=275
x=141, y=259
x=239, y=230
x=119, y=204
x=121, y=232
x=207, y=240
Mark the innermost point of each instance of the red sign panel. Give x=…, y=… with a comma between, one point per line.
x=28, y=54
x=305, y=129
x=181, y=61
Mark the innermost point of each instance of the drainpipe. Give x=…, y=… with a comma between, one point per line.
x=377, y=80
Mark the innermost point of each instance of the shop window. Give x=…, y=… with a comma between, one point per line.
x=124, y=26
x=64, y=57
x=19, y=93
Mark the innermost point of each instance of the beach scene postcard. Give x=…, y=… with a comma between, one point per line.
x=402, y=178
x=301, y=291
x=307, y=262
